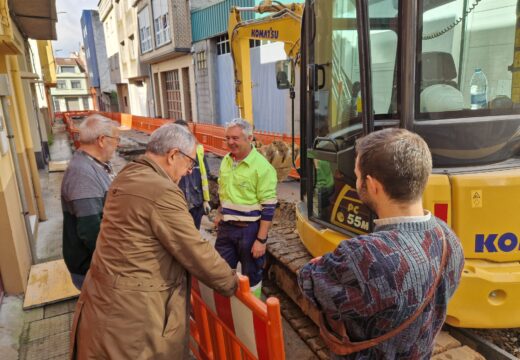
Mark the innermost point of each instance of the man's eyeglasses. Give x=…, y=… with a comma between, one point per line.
x=193, y=161
x=117, y=138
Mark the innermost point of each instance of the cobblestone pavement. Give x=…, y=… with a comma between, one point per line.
x=46, y=331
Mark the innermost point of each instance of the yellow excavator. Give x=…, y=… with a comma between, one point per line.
x=282, y=24
x=448, y=70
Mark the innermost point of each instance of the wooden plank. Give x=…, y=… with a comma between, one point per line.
x=48, y=283
x=444, y=342
x=460, y=353
x=58, y=166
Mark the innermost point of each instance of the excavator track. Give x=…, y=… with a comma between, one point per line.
x=286, y=254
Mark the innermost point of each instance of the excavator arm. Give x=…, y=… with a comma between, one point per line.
x=283, y=24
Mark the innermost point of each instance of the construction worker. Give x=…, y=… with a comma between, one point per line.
x=247, y=191
x=195, y=186
x=384, y=295
x=83, y=191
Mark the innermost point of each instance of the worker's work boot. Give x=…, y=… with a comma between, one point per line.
x=257, y=290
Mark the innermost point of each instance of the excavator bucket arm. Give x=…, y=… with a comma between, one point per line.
x=282, y=24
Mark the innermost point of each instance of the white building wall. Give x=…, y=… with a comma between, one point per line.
x=138, y=99
x=40, y=88
x=108, y=17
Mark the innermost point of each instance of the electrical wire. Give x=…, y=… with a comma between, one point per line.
x=451, y=26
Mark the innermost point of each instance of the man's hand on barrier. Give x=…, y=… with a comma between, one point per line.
x=258, y=249
x=315, y=260
x=207, y=207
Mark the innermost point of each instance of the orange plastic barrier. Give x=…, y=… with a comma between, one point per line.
x=294, y=173
x=211, y=136
x=111, y=115
x=69, y=124
x=240, y=327
x=146, y=124
x=141, y=123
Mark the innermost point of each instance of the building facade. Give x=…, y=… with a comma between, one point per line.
x=37, y=92
x=97, y=61
x=44, y=67
x=71, y=92
x=108, y=19
x=21, y=204
x=165, y=46
x=127, y=71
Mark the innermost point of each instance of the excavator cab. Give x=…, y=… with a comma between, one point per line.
x=448, y=70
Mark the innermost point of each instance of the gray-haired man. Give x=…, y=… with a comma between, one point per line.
x=135, y=300
x=247, y=191
x=83, y=191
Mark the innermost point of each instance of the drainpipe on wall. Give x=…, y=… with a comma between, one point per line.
x=152, y=102
x=26, y=131
x=196, y=73
x=95, y=103
x=4, y=92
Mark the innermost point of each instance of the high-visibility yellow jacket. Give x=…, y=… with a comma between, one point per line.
x=203, y=172
x=247, y=189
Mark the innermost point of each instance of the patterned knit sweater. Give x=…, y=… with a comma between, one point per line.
x=375, y=282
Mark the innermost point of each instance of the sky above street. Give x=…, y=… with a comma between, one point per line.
x=68, y=26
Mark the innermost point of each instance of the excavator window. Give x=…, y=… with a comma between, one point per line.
x=337, y=100
x=466, y=52
x=467, y=90
x=468, y=86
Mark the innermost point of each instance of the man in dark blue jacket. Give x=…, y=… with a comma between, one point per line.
x=195, y=185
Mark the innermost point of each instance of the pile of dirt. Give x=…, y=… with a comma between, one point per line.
x=136, y=136
x=133, y=144
x=285, y=214
x=279, y=155
x=213, y=193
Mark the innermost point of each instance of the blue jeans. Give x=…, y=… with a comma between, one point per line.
x=77, y=280
x=234, y=244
